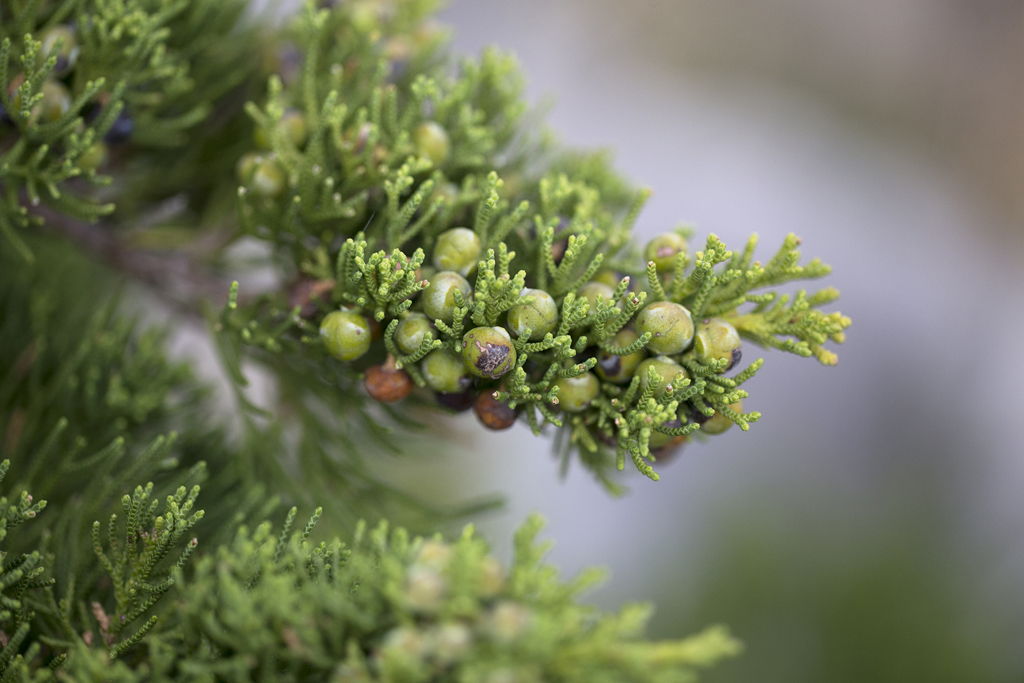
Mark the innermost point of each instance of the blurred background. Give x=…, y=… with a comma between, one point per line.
x=871, y=527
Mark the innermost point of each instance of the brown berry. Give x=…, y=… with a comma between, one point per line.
x=494, y=414
x=386, y=383
x=458, y=402
x=305, y=292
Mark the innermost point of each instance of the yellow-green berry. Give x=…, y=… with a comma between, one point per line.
x=663, y=250
x=717, y=339
x=719, y=422
x=345, y=334
x=445, y=372
x=432, y=141
x=411, y=332
x=540, y=315
x=69, y=48
x=246, y=166
x=620, y=369
x=457, y=250
x=666, y=369
x=268, y=178
x=591, y=291
x=94, y=157
x=55, y=103
x=488, y=352
x=670, y=325
x=292, y=124
x=439, y=296
x=576, y=393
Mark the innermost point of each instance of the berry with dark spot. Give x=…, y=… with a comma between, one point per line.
x=670, y=325
x=457, y=402
x=439, y=296
x=576, y=393
x=457, y=250
x=620, y=369
x=494, y=414
x=540, y=315
x=386, y=383
x=445, y=372
x=345, y=334
x=717, y=339
x=488, y=352
x=663, y=250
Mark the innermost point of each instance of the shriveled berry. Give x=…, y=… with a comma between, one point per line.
x=411, y=332
x=432, y=141
x=717, y=339
x=69, y=48
x=94, y=157
x=457, y=402
x=439, y=296
x=457, y=250
x=268, y=178
x=488, y=352
x=576, y=393
x=346, y=334
x=386, y=383
x=292, y=125
x=663, y=250
x=591, y=291
x=719, y=422
x=494, y=414
x=540, y=315
x=620, y=369
x=670, y=325
x=444, y=371
x=666, y=368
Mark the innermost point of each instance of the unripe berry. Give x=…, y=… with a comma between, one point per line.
x=591, y=291
x=246, y=166
x=346, y=334
x=620, y=369
x=666, y=368
x=659, y=440
x=452, y=641
x=268, y=178
x=719, y=422
x=494, y=414
x=439, y=296
x=488, y=352
x=386, y=383
x=670, y=325
x=445, y=372
x=94, y=157
x=432, y=141
x=68, y=50
x=411, y=332
x=717, y=339
x=55, y=103
x=663, y=250
x=292, y=124
x=541, y=315
x=576, y=393
x=458, y=250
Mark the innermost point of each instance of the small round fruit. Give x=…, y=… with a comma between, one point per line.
x=94, y=157
x=292, y=124
x=666, y=368
x=439, y=296
x=246, y=166
x=268, y=178
x=660, y=440
x=445, y=372
x=717, y=339
x=663, y=250
x=541, y=315
x=620, y=369
x=411, y=332
x=670, y=325
x=457, y=250
x=346, y=334
x=494, y=414
x=488, y=352
x=459, y=403
x=591, y=291
x=386, y=383
x=432, y=141
x=719, y=422
x=576, y=393
x=55, y=103
x=608, y=277
x=68, y=49
x=121, y=129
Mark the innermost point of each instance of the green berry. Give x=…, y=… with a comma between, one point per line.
x=660, y=440
x=670, y=325
x=246, y=166
x=69, y=48
x=488, y=352
x=457, y=250
x=439, y=296
x=432, y=141
x=719, y=422
x=94, y=157
x=268, y=178
x=576, y=393
x=411, y=332
x=445, y=372
x=292, y=124
x=55, y=103
x=716, y=339
x=620, y=369
x=608, y=277
x=591, y=291
x=541, y=315
x=666, y=368
x=346, y=334
x=663, y=250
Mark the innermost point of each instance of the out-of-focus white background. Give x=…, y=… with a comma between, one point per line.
x=871, y=526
